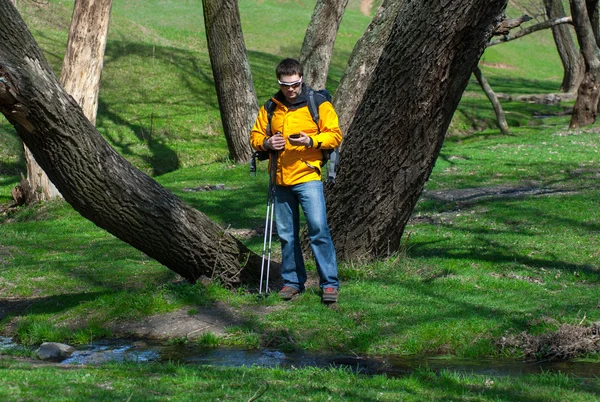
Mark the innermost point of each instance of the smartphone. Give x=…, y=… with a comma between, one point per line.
x=295, y=136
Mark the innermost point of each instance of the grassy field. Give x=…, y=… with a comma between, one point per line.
x=504, y=241
x=184, y=383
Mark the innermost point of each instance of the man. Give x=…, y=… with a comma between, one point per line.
x=293, y=137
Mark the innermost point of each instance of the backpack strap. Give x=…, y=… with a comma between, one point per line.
x=334, y=157
x=263, y=155
x=313, y=108
x=270, y=109
x=329, y=155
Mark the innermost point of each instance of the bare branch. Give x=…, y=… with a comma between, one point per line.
x=500, y=117
x=533, y=28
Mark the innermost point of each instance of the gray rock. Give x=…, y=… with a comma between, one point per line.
x=53, y=351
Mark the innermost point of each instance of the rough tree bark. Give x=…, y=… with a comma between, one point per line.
x=489, y=92
x=35, y=186
x=318, y=43
x=396, y=135
x=84, y=58
x=231, y=71
x=568, y=51
x=100, y=184
x=594, y=16
x=363, y=61
x=586, y=106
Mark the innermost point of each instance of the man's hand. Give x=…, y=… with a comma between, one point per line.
x=300, y=139
x=275, y=142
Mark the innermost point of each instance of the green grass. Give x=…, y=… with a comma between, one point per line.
x=155, y=382
x=504, y=240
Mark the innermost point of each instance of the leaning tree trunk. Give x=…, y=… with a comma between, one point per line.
x=231, y=71
x=99, y=183
x=397, y=133
x=568, y=51
x=586, y=106
x=317, y=47
x=363, y=61
x=36, y=186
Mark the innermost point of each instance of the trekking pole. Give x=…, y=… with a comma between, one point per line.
x=268, y=225
x=262, y=265
x=270, y=240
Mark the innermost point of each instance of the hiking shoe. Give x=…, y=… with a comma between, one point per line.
x=330, y=295
x=288, y=292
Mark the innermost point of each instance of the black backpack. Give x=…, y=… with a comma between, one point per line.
x=315, y=99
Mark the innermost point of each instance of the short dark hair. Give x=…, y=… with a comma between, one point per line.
x=289, y=67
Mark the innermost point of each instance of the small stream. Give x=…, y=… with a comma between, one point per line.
x=393, y=366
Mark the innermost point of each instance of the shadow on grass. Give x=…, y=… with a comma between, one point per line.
x=480, y=115
x=163, y=159
x=544, y=176
x=397, y=319
x=12, y=149
x=162, y=66
x=519, y=221
x=13, y=180
x=240, y=208
x=499, y=253
x=44, y=305
x=454, y=386
x=522, y=86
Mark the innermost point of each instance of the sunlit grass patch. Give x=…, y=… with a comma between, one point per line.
x=185, y=383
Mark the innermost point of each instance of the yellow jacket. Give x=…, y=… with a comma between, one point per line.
x=298, y=164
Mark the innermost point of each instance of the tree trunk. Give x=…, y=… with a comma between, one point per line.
x=80, y=76
x=41, y=187
x=489, y=92
x=568, y=51
x=84, y=59
x=594, y=16
x=231, y=71
x=363, y=61
x=36, y=187
x=396, y=135
x=100, y=184
x=586, y=106
x=317, y=47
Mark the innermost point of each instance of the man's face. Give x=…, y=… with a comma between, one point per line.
x=291, y=86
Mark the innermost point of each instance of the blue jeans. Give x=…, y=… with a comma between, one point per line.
x=310, y=197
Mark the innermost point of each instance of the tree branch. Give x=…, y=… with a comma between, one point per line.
x=500, y=117
x=533, y=28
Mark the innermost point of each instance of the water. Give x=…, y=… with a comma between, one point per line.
x=393, y=366
x=6, y=343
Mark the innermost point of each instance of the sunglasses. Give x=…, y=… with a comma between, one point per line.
x=292, y=85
